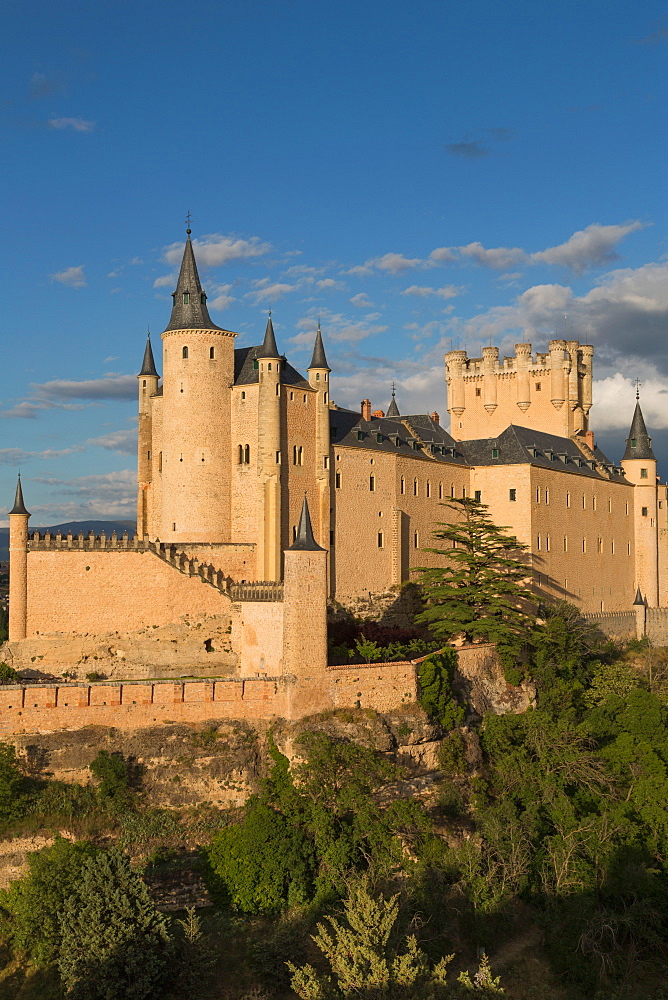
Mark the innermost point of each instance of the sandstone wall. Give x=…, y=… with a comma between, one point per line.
x=84, y=591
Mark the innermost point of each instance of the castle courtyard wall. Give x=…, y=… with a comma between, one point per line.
x=83, y=591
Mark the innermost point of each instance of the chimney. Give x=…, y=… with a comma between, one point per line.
x=435, y=417
x=589, y=438
x=366, y=409
x=377, y=413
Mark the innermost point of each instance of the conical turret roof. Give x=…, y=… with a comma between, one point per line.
x=269, y=348
x=305, y=540
x=148, y=366
x=393, y=409
x=189, y=311
x=319, y=360
x=638, y=443
x=19, y=506
x=639, y=602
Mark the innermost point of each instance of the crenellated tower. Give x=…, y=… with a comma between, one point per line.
x=269, y=456
x=639, y=464
x=148, y=380
x=549, y=391
x=318, y=376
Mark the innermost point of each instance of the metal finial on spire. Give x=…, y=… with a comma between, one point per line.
x=188, y=221
x=638, y=383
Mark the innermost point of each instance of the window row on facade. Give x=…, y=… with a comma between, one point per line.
x=544, y=543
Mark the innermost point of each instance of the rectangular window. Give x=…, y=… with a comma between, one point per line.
x=380, y=539
x=609, y=506
x=278, y=458
x=584, y=502
x=440, y=491
x=372, y=483
x=538, y=386
x=160, y=462
x=565, y=543
x=628, y=548
x=452, y=491
x=360, y=435
x=477, y=392
x=547, y=496
x=568, y=499
x=331, y=538
x=643, y=473
x=612, y=547
x=643, y=511
x=512, y=494
x=547, y=543
x=477, y=495
x=415, y=487
x=538, y=544
x=599, y=544
x=593, y=503
x=402, y=485
x=416, y=540
x=627, y=509
x=584, y=544
x=428, y=488
x=325, y=461
x=495, y=452
x=337, y=480
x=537, y=495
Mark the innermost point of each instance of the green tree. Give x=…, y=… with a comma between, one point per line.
x=13, y=784
x=115, y=945
x=367, y=958
x=437, y=697
x=34, y=902
x=113, y=773
x=7, y=674
x=480, y=590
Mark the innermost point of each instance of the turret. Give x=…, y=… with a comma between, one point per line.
x=557, y=375
x=198, y=371
x=522, y=362
x=393, y=409
x=318, y=376
x=148, y=379
x=18, y=566
x=269, y=455
x=490, y=361
x=639, y=466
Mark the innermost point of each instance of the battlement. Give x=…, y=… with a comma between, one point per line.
x=549, y=391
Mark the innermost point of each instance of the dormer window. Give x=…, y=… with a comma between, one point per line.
x=360, y=435
x=202, y=298
x=379, y=438
x=186, y=298
x=633, y=442
x=495, y=452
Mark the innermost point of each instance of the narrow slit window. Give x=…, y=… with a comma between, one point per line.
x=212, y=353
x=372, y=483
x=185, y=352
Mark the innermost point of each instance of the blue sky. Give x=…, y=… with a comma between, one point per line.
x=416, y=174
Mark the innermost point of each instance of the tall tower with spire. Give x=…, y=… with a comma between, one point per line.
x=318, y=376
x=148, y=379
x=639, y=464
x=269, y=456
x=18, y=566
x=198, y=370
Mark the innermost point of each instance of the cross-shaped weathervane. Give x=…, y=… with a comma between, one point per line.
x=188, y=221
x=638, y=384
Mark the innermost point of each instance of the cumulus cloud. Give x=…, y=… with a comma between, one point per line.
x=423, y=291
x=328, y=283
x=165, y=281
x=75, y=124
x=609, y=392
x=390, y=263
x=14, y=456
x=108, y=387
x=337, y=327
x=73, y=277
x=362, y=301
x=124, y=441
x=25, y=410
x=498, y=258
x=443, y=255
x=594, y=246
x=113, y=494
x=215, y=249
x=267, y=291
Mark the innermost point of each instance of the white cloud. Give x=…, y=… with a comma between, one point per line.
x=337, y=327
x=215, y=249
x=222, y=298
x=423, y=292
x=165, y=281
x=609, y=413
x=590, y=247
x=73, y=277
x=498, y=258
x=266, y=292
x=113, y=494
x=328, y=283
x=76, y=124
x=14, y=456
x=443, y=255
x=124, y=441
x=109, y=387
x=362, y=300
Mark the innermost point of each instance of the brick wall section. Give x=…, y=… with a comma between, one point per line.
x=131, y=705
x=108, y=589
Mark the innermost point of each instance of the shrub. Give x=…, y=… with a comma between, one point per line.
x=437, y=697
x=113, y=773
x=7, y=674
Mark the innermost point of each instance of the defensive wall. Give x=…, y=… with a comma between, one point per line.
x=642, y=621
x=383, y=687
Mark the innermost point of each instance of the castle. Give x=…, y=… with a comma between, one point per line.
x=259, y=499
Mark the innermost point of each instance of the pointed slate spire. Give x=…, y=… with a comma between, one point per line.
x=19, y=506
x=393, y=409
x=269, y=348
x=638, y=443
x=639, y=602
x=148, y=367
x=319, y=360
x=189, y=311
x=305, y=540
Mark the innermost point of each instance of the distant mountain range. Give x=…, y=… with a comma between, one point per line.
x=75, y=527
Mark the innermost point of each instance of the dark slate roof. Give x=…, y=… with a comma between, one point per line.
x=148, y=367
x=305, y=542
x=521, y=445
x=268, y=348
x=194, y=314
x=245, y=372
x=393, y=409
x=19, y=506
x=415, y=436
x=638, y=434
x=319, y=360
x=639, y=599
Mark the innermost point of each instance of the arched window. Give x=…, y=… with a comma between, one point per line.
x=212, y=352
x=440, y=491
x=144, y=383
x=185, y=352
x=241, y=454
x=415, y=487
x=428, y=488
x=247, y=454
